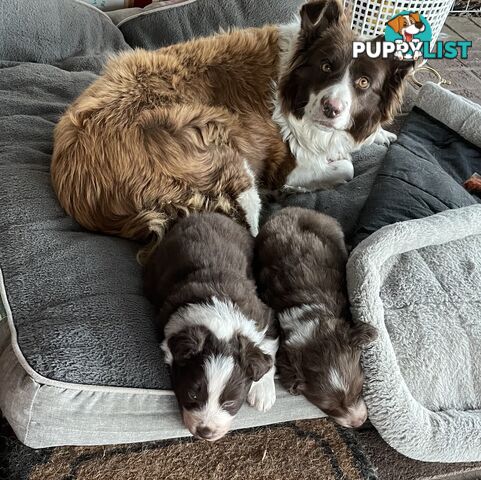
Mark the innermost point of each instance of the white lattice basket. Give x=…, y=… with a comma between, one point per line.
x=370, y=16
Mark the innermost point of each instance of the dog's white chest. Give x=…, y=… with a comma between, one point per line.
x=322, y=156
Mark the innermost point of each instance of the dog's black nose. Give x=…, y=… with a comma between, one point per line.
x=331, y=108
x=419, y=25
x=204, y=432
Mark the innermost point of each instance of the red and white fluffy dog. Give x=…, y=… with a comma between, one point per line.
x=200, y=126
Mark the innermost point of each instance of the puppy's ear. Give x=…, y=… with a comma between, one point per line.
x=289, y=367
x=187, y=343
x=362, y=334
x=317, y=15
x=253, y=360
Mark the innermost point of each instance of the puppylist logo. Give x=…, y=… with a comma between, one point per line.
x=408, y=36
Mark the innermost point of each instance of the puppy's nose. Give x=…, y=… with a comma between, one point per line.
x=204, y=432
x=357, y=422
x=332, y=107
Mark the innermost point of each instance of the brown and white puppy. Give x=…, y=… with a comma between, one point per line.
x=218, y=335
x=301, y=259
x=201, y=125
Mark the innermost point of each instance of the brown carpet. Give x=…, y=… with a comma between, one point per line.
x=313, y=449
x=308, y=450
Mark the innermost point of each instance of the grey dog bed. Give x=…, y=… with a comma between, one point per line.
x=80, y=361
x=419, y=282
x=79, y=356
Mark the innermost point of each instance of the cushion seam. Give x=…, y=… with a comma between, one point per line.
x=30, y=413
x=153, y=10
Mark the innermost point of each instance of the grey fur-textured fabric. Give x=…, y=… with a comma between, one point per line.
x=50, y=31
x=418, y=283
x=76, y=297
x=457, y=113
x=160, y=27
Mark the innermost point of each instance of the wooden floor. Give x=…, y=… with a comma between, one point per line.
x=464, y=75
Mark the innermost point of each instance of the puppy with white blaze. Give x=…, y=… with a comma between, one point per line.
x=219, y=337
x=301, y=260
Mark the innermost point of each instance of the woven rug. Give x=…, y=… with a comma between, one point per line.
x=314, y=449
x=308, y=450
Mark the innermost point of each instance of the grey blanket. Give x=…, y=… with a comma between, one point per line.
x=80, y=361
x=419, y=283
x=199, y=18
x=76, y=297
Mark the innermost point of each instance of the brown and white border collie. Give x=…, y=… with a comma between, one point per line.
x=201, y=125
x=219, y=338
x=301, y=261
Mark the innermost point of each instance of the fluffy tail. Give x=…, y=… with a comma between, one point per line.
x=148, y=226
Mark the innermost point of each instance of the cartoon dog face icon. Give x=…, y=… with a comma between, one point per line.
x=408, y=26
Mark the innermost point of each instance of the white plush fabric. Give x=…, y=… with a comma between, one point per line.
x=419, y=283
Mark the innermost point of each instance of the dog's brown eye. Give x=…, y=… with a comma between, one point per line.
x=326, y=67
x=363, y=83
x=193, y=396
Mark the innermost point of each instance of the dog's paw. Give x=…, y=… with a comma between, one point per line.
x=339, y=157
x=289, y=190
x=383, y=137
x=399, y=55
x=262, y=394
x=341, y=172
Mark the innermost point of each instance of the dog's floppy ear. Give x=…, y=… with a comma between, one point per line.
x=362, y=334
x=416, y=16
x=393, y=87
x=288, y=363
x=253, y=360
x=187, y=343
x=396, y=23
x=317, y=15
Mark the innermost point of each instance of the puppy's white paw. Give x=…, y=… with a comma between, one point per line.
x=262, y=394
x=383, y=137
